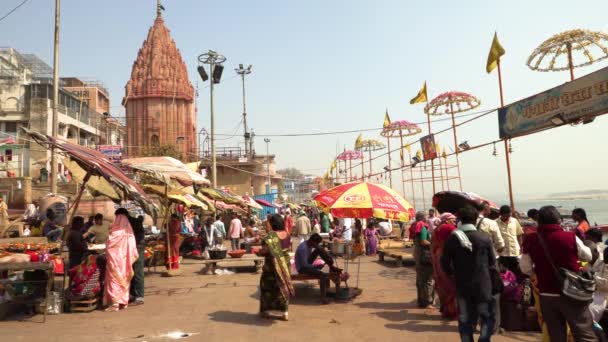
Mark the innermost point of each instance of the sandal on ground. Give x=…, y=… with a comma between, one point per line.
x=112, y=308
x=285, y=317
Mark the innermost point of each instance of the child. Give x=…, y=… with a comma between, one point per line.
x=371, y=238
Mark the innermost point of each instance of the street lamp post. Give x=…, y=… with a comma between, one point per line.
x=267, y=141
x=214, y=59
x=245, y=71
x=55, y=119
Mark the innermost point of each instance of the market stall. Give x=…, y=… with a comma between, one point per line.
x=363, y=200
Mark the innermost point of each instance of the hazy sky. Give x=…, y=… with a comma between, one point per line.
x=337, y=65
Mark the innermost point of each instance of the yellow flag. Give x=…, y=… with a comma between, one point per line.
x=444, y=155
x=333, y=166
x=438, y=149
x=495, y=52
x=421, y=97
x=419, y=154
x=358, y=142
x=401, y=154
x=408, y=147
x=387, y=119
x=326, y=176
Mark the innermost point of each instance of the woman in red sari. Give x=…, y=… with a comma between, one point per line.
x=174, y=235
x=444, y=285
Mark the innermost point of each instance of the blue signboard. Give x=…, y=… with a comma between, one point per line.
x=581, y=99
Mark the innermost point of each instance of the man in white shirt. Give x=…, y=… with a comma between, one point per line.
x=235, y=232
x=220, y=229
x=433, y=221
x=490, y=227
x=512, y=234
x=347, y=229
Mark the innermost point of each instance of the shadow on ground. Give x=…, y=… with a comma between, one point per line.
x=243, y=318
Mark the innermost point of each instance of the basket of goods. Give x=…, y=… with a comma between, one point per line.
x=216, y=253
x=236, y=253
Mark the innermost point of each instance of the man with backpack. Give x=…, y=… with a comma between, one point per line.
x=469, y=256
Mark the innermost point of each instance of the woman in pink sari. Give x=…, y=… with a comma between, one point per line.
x=121, y=253
x=444, y=285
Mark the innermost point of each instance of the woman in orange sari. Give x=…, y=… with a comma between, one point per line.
x=174, y=234
x=444, y=285
x=121, y=253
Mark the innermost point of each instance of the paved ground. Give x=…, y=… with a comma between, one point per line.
x=224, y=308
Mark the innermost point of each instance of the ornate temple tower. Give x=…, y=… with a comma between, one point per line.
x=159, y=97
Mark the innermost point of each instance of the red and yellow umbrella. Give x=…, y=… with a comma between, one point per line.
x=364, y=200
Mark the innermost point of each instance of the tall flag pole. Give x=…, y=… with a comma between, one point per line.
x=358, y=145
x=408, y=147
x=387, y=122
x=496, y=51
x=422, y=97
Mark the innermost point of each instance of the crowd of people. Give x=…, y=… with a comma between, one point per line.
x=469, y=264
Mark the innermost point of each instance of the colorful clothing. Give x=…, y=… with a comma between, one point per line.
x=121, y=253
x=174, y=234
x=444, y=285
x=84, y=279
x=371, y=241
x=275, y=282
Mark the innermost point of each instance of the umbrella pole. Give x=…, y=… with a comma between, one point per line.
x=77, y=200
x=456, y=144
x=362, y=168
x=390, y=168
x=422, y=184
x=358, y=270
x=412, y=179
x=350, y=170
x=570, y=64
x=402, y=163
x=370, y=164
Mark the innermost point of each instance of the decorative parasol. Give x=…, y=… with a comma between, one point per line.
x=365, y=200
x=349, y=155
x=400, y=129
x=368, y=145
x=444, y=104
x=569, y=50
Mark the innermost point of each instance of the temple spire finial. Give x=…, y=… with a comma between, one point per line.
x=159, y=8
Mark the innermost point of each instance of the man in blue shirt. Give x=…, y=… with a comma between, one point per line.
x=306, y=254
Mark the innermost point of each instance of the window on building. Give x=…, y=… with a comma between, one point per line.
x=10, y=127
x=155, y=141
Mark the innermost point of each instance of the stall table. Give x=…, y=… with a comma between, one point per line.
x=27, y=266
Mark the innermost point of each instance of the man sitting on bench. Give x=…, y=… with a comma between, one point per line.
x=306, y=254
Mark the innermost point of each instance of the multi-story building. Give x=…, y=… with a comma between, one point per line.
x=26, y=99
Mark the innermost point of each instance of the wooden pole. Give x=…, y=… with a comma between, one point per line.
x=370, y=163
x=402, y=163
x=422, y=184
x=428, y=116
x=77, y=200
x=412, y=179
x=362, y=167
x=350, y=169
x=166, y=223
x=441, y=172
x=570, y=64
x=390, y=168
x=456, y=144
x=506, y=141
x=447, y=175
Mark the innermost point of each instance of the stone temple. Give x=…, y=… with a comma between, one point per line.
x=159, y=98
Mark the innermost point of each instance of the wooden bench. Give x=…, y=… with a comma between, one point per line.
x=397, y=250
x=209, y=266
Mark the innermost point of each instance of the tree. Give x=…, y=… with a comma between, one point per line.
x=161, y=151
x=291, y=173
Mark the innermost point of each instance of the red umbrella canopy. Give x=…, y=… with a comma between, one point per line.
x=364, y=200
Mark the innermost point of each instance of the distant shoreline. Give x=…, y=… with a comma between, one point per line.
x=572, y=197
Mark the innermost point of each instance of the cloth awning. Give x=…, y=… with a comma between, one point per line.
x=101, y=170
x=179, y=196
x=167, y=169
x=252, y=203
